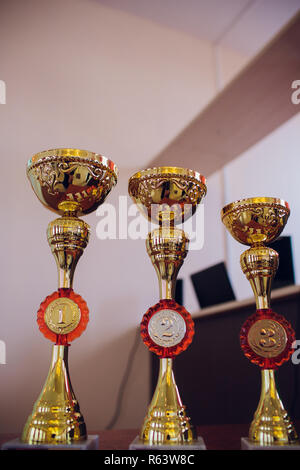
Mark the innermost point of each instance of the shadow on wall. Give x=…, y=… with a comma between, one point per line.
x=117, y=375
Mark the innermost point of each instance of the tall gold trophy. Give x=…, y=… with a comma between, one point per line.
x=70, y=182
x=266, y=337
x=167, y=196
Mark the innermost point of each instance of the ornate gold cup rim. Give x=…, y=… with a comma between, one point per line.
x=74, y=154
x=169, y=170
x=240, y=203
x=246, y=228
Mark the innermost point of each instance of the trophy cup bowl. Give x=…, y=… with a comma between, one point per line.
x=74, y=179
x=167, y=193
x=256, y=220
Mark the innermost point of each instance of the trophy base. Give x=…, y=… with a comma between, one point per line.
x=246, y=444
x=90, y=443
x=139, y=445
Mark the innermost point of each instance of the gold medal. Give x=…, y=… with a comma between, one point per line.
x=62, y=315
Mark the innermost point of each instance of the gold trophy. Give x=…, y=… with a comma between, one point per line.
x=167, y=196
x=70, y=182
x=266, y=337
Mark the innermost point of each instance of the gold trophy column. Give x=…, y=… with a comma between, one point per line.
x=56, y=416
x=271, y=423
x=167, y=196
x=70, y=182
x=166, y=421
x=266, y=337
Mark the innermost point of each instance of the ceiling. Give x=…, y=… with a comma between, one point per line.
x=121, y=77
x=219, y=135
x=243, y=25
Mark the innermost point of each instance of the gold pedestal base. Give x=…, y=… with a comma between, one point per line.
x=271, y=424
x=247, y=444
x=166, y=422
x=90, y=443
x=198, y=444
x=56, y=417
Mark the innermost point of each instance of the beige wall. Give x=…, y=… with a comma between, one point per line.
x=81, y=75
x=269, y=168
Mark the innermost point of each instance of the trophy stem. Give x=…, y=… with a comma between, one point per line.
x=56, y=416
x=67, y=237
x=166, y=421
x=259, y=263
x=271, y=423
x=166, y=288
x=167, y=248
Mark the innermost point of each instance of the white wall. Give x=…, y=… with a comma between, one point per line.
x=81, y=75
x=213, y=248
x=269, y=168
x=84, y=75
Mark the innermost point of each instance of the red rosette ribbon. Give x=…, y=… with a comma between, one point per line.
x=63, y=339
x=261, y=360
x=171, y=351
